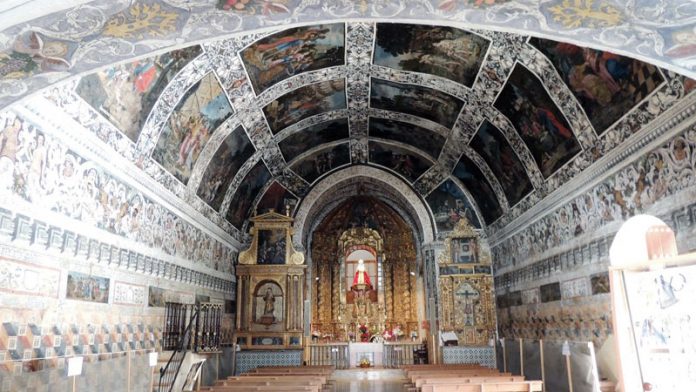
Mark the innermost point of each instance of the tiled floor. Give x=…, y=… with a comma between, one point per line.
x=372, y=380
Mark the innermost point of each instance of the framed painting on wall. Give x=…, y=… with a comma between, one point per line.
x=272, y=246
x=464, y=250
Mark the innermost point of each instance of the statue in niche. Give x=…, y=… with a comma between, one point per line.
x=269, y=304
x=361, y=280
x=269, y=301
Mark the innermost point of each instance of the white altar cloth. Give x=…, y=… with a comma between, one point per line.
x=373, y=351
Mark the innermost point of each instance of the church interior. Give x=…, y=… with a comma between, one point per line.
x=417, y=195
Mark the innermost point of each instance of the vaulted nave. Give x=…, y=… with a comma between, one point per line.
x=420, y=195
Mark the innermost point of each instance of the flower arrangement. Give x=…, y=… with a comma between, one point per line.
x=365, y=363
x=364, y=333
x=397, y=332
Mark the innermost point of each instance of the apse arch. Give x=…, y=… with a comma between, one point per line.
x=312, y=205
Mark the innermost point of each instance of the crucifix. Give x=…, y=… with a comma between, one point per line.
x=466, y=295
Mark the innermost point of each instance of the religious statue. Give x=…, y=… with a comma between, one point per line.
x=361, y=280
x=268, y=317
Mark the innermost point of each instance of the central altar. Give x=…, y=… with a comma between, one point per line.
x=373, y=352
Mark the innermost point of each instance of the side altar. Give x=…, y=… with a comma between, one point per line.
x=270, y=287
x=465, y=290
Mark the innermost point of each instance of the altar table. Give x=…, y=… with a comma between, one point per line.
x=373, y=351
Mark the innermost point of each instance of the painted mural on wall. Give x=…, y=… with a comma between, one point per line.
x=229, y=157
x=313, y=136
x=201, y=110
x=305, y=102
x=448, y=205
x=470, y=175
x=34, y=53
x=294, y=51
x=124, y=94
x=633, y=190
x=494, y=148
x=87, y=287
x=538, y=120
x=425, y=102
x=606, y=85
x=41, y=170
x=438, y=50
x=588, y=319
x=423, y=139
x=277, y=198
x=321, y=162
x=401, y=160
x=251, y=185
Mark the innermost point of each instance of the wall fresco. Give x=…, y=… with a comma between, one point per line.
x=40, y=169
x=470, y=175
x=249, y=188
x=449, y=204
x=321, y=162
x=538, y=120
x=438, y=50
x=294, y=51
x=313, y=136
x=305, y=102
x=423, y=139
x=425, y=102
x=492, y=146
x=234, y=151
x=201, y=110
x=663, y=172
x=125, y=94
x=401, y=160
x=606, y=85
x=28, y=279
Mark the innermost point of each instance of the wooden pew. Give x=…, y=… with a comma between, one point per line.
x=468, y=380
x=520, y=386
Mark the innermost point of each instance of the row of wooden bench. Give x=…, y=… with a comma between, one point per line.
x=465, y=378
x=278, y=378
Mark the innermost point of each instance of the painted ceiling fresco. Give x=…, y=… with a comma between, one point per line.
x=481, y=124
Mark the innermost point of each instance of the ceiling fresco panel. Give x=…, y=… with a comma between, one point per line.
x=293, y=51
x=606, y=85
x=313, y=136
x=321, y=162
x=437, y=50
x=492, y=146
x=423, y=139
x=305, y=102
x=428, y=103
x=540, y=123
x=126, y=93
x=226, y=162
x=252, y=184
x=202, y=109
x=470, y=175
x=401, y=160
x=449, y=204
x=278, y=198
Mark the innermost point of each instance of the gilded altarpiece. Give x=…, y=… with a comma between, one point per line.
x=363, y=223
x=270, y=287
x=467, y=305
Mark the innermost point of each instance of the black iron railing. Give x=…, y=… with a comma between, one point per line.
x=169, y=372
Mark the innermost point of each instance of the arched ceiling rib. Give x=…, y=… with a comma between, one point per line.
x=507, y=120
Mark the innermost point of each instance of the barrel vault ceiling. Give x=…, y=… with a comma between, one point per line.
x=479, y=122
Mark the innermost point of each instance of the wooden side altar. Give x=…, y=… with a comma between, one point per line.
x=270, y=287
x=467, y=307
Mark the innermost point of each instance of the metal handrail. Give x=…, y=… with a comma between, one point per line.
x=177, y=356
